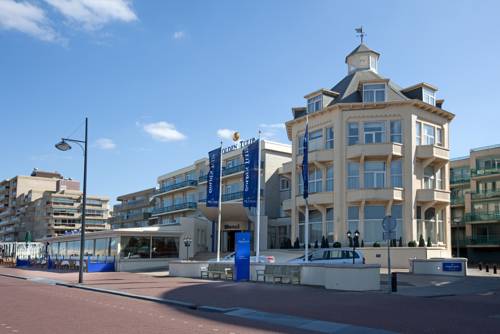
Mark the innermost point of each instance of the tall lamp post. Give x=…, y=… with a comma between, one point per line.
x=457, y=221
x=354, y=241
x=64, y=146
x=187, y=243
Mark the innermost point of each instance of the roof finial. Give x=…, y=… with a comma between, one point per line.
x=361, y=33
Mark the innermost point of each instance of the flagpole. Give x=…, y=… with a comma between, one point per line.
x=306, y=225
x=257, y=251
x=306, y=232
x=220, y=206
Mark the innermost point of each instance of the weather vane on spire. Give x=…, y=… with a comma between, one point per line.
x=361, y=33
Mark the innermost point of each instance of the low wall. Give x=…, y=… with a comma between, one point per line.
x=186, y=268
x=132, y=265
x=400, y=255
x=444, y=266
x=347, y=277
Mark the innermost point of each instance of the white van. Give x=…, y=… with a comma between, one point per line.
x=332, y=256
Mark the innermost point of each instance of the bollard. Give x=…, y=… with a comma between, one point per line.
x=487, y=268
x=494, y=269
x=480, y=266
x=394, y=282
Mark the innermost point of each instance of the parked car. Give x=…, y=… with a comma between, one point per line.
x=253, y=259
x=332, y=256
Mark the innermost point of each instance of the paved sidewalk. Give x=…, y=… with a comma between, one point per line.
x=478, y=304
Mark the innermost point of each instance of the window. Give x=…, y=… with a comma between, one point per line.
x=191, y=197
x=315, y=104
x=329, y=138
x=232, y=162
x=397, y=173
x=352, y=218
x=284, y=184
x=353, y=175
x=373, y=93
x=315, y=180
x=439, y=179
x=428, y=178
x=135, y=247
x=300, y=145
x=315, y=226
x=396, y=132
x=374, y=132
x=429, y=137
x=374, y=174
x=418, y=135
x=373, y=218
x=164, y=247
x=352, y=133
x=315, y=140
x=429, y=96
x=232, y=188
x=329, y=178
x=397, y=212
x=329, y=224
x=439, y=136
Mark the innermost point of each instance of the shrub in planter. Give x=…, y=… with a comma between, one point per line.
x=336, y=244
x=376, y=244
x=400, y=242
x=429, y=243
x=412, y=243
x=324, y=242
x=289, y=243
x=421, y=241
x=316, y=244
x=362, y=243
x=296, y=244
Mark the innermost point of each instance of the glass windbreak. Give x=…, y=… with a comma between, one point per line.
x=165, y=247
x=113, y=246
x=62, y=249
x=73, y=248
x=135, y=247
x=101, y=247
x=89, y=247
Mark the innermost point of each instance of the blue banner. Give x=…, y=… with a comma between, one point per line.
x=305, y=164
x=213, y=177
x=242, y=256
x=251, y=174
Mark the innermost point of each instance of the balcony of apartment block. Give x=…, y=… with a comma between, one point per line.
x=432, y=154
x=374, y=150
x=177, y=186
x=485, y=195
x=323, y=199
x=483, y=240
x=437, y=196
x=485, y=173
x=131, y=204
x=457, y=201
x=286, y=168
x=374, y=194
x=226, y=171
x=482, y=217
x=186, y=206
x=454, y=181
x=316, y=154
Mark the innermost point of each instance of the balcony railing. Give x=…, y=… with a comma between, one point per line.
x=482, y=216
x=486, y=194
x=459, y=180
x=490, y=239
x=175, y=207
x=457, y=200
x=131, y=203
x=232, y=196
x=203, y=178
x=233, y=169
x=183, y=184
x=483, y=172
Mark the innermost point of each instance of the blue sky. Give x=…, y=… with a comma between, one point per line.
x=158, y=79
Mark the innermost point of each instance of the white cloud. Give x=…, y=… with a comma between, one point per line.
x=93, y=14
x=105, y=144
x=26, y=18
x=163, y=131
x=179, y=35
x=275, y=131
x=273, y=126
x=225, y=134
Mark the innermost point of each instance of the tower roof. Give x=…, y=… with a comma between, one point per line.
x=361, y=48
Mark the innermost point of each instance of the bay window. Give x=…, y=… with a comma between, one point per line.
x=374, y=132
x=315, y=104
x=429, y=136
x=329, y=138
x=374, y=174
x=353, y=175
x=352, y=133
x=329, y=178
x=396, y=132
x=315, y=180
x=315, y=140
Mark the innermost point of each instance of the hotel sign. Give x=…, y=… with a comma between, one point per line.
x=241, y=144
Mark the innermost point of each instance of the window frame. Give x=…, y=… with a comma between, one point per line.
x=366, y=89
x=315, y=103
x=355, y=177
x=329, y=138
x=396, y=134
x=376, y=174
x=352, y=126
x=429, y=96
x=373, y=133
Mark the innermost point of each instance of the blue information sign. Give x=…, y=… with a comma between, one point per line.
x=242, y=256
x=452, y=266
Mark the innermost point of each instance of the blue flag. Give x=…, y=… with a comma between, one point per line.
x=213, y=177
x=305, y=164
x=251, y=174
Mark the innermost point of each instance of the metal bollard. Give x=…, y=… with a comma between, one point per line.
x=494, y=269
x=480, y=266
x=394, y=282
x=487, y=268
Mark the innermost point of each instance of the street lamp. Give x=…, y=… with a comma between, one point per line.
x=64, y=145
x=187, y=243
x=457, y=228
x=353, y=242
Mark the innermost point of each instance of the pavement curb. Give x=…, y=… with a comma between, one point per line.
x=15, y=276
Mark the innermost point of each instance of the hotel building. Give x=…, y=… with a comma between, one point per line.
x=375, y=149
x=475, y=204
x=134, y=210
x=180, y=199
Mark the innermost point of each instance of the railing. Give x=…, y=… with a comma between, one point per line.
x=490, y=239
x=482, y=216
x=183, y=184
x=232, y=196
x=457, y=200
x=458, y=180
x=486, y=194
x=203, y=178
x=483, y=172
x=176, y=207
x=233, y=169
x=130, y=203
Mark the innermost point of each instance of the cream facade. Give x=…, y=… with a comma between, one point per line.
x=475, y=204
x=181, y=196
x=375, y=149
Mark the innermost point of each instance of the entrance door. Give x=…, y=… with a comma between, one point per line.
x=231, y=240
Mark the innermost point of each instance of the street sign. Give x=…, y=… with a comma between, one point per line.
x=452, y=266
x=389, y=224
x=242, y=256
x=389, y=235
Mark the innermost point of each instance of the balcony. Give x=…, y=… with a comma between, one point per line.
x=432, y=153
x=232, y=196
x=375, y=194
x=457, y=201
x=459, y=180
x=322, y=155
x=484, y=172
x=233, y=169
x=203, y=178
x=324, y=198
x=484, y=240
x=433, y=195
x=287, y=205
x=376, y=150
x=485, y=194
x=487, y=216
x=132, y=203
x=175, y=208
x=286, y=168
x=177, y=186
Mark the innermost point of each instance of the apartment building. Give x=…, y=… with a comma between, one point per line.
x=475, y=204
x=375, y=149
x=134, y=209
x=181, y=197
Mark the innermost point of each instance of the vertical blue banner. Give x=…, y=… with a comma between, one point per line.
x=305, y=164
x=213, y=177
x=251, y=174
x=242, y=256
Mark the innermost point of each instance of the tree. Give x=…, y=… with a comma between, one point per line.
x=337, y=244
x=324, y=242
x=421, y=241
x=376, y=244
x=429, y=243
x=296, y=244
x=412, y=243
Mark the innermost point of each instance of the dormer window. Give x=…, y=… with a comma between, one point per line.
x=429, y=96
x=315, y=104
x=373, y=93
